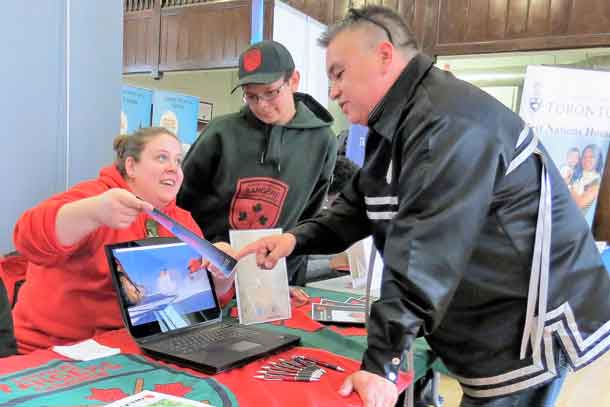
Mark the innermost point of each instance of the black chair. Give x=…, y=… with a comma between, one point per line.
x=8, y=345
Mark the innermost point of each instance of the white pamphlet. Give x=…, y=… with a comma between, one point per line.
x=358, y=257
x=148, y=398
x=262, y=295
x=86, y=350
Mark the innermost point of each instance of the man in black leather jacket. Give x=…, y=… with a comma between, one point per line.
x=485, y=252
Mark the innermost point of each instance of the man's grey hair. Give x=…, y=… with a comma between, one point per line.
x=387, y=23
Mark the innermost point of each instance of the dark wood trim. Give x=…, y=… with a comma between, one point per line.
x=268, y=27
x=194, y=66
x=524, y=44
x=218, y=5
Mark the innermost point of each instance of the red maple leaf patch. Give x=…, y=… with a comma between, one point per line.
x=253, y=59
x=173, y=389
x=107, y=395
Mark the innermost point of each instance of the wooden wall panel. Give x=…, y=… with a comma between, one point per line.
x=138, y=35
x=477, y=26
x=339, y=8
x=496, y=19
x=212, y=34
x=319, y=9
x=516, y=18
x=559, y=16
x=477, y=22
x=204, y=36
x=589, y=16
x=331, y=11
x=538, y=21
x=453, y=28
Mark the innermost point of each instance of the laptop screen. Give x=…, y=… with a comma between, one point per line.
x=161, y=286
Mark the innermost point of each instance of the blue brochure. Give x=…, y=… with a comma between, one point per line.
x=207, y=250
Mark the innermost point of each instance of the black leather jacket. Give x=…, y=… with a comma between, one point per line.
x=457, y=235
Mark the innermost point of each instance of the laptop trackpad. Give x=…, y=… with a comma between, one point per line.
x=243, y=346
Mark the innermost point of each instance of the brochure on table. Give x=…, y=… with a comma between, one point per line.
x=262, y=295
x=149, y=398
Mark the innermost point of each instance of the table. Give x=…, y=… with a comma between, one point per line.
x=341, y=284
x=46, y=378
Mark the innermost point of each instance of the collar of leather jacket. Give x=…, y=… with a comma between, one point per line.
x=385, y=116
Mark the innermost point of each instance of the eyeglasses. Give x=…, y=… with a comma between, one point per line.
x=267, y=96
x=357, y=15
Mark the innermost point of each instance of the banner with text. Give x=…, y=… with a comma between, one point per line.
x=569, y=109
x=136, y=108
x=177, y=113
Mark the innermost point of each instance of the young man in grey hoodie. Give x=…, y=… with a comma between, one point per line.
x=268, y=165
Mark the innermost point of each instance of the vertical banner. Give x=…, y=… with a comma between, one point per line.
x=569, y=110
x=177, y=113
x=136, y=108
x=257, y=21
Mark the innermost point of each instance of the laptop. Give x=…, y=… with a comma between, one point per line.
x=170, y=308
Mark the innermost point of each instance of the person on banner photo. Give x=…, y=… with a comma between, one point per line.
x=571, y=169
x=585, y=186
x=64, y=237
x=268, y=165
x=485, y=253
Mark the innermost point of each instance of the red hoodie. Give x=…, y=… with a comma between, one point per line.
x=68, y=294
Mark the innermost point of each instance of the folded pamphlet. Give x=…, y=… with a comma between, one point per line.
x=148, y=398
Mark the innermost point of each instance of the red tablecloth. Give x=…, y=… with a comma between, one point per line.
x=248, y=390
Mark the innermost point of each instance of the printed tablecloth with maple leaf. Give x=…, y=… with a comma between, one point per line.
x=45, y=378
x=102, y=381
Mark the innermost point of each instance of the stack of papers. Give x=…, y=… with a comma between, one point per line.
x=352, y=311
x=86, y=350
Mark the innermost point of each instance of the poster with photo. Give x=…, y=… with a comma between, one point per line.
x=569, y=110
x=177, y=113
x=136, y=108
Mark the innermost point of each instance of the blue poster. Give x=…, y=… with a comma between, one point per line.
x=177, y=113
x=355, y=143
x=136, y=108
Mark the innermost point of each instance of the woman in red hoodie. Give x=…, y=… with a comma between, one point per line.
x=68, y=294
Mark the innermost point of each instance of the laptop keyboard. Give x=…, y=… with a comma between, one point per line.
x=200, y=339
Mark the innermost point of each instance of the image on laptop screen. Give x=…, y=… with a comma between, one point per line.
x=163, y=284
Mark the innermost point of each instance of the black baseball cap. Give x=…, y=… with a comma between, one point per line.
x=262, y=63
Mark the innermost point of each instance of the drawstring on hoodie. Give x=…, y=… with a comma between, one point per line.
x=273, y=147
x=309, y=115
